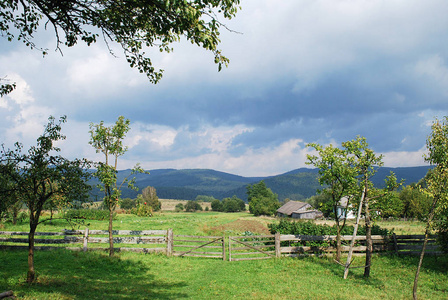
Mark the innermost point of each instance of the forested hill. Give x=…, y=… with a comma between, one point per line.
x=297, y=184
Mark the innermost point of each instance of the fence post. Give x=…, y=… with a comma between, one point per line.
x=169, y=242
x=395, y=243
x=86, y=238
x=230, y=249
x=278, y=252
x=223, y=248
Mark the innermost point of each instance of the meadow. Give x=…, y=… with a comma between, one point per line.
x=94, y=275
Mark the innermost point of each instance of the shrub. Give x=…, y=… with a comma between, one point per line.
x=88, y=214
x=143, y=210
x=288, y=226
x=192, y=206
x=128, y=203
x=205, y=198
x=216, y=205
x=179, y=207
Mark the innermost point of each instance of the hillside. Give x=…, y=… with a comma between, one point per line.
x=297, y=184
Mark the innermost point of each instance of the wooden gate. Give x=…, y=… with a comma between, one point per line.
x=199, y=246
x=251, y=247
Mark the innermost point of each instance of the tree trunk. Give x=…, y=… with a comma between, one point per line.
x=355, y=231
x=111, y=238
x=338, y=244
x=369, y=243
x=31, y=275
x=422, y=254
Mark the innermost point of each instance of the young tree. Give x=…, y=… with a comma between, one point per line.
x=337, y=175
x=149, y=197
x=40, y=175
x=436, y=182
x=262, y=201
x=109, y=141
x=134, y=25
x=363, y=161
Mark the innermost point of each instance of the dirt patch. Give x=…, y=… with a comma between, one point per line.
x=240, y=226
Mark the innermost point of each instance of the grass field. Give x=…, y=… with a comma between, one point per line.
x=93, y=275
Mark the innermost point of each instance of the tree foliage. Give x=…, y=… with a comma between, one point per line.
x=193, y=206
x=338, y=179
x=233, y=204
x=135, y=25
x=149, y=197
x=109, y=141
x=262, y=201
x=39, y=175
x=436, y=184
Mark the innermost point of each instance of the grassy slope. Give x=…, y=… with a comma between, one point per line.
x=68, y=275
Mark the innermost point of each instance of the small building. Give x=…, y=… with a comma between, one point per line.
x=344, y=209
x=298, y=210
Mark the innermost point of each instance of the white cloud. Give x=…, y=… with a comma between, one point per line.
x=404, y=158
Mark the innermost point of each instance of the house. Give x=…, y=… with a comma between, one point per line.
x=298, y=210
x=343, y=211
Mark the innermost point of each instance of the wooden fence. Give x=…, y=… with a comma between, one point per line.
x=199, y=246
x=269, y=246
x=239, y=247
x=79, y=240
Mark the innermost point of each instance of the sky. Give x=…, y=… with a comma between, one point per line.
x=301, y=71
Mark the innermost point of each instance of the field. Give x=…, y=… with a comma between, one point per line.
x=93, y=275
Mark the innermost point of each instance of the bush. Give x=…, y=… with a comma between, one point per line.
x=205, y=198
x=179, y=207
x=143, y=210
x=192, y=206
x=128, y=203
x=216, y=205
x=88, y=214
x=288, y=226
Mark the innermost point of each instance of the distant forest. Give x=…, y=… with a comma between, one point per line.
x=187, y=184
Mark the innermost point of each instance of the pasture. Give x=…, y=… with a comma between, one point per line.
x=93, y=275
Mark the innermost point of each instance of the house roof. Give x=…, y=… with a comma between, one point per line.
x=290, y=207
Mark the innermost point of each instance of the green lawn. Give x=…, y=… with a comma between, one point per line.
x=93, y=275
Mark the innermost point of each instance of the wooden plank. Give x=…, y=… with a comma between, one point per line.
x=201, y=246
x=27, y=233
x=129, y=240
x=250, y=246
x=417, y=247
x=194, y=255
x=192, y=241
x=43, y=241
x=272, y=236
x=257, y=247
x=251, y=253
x=119, y=232
x=251, y=258
x=189, y=246
x=199, y=236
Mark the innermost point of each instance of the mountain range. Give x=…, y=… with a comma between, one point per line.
x=297, y=184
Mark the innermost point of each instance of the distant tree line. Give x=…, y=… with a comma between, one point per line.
x=233, y=204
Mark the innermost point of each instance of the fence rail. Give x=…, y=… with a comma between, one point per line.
x=239, y=247
x=199, y=246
